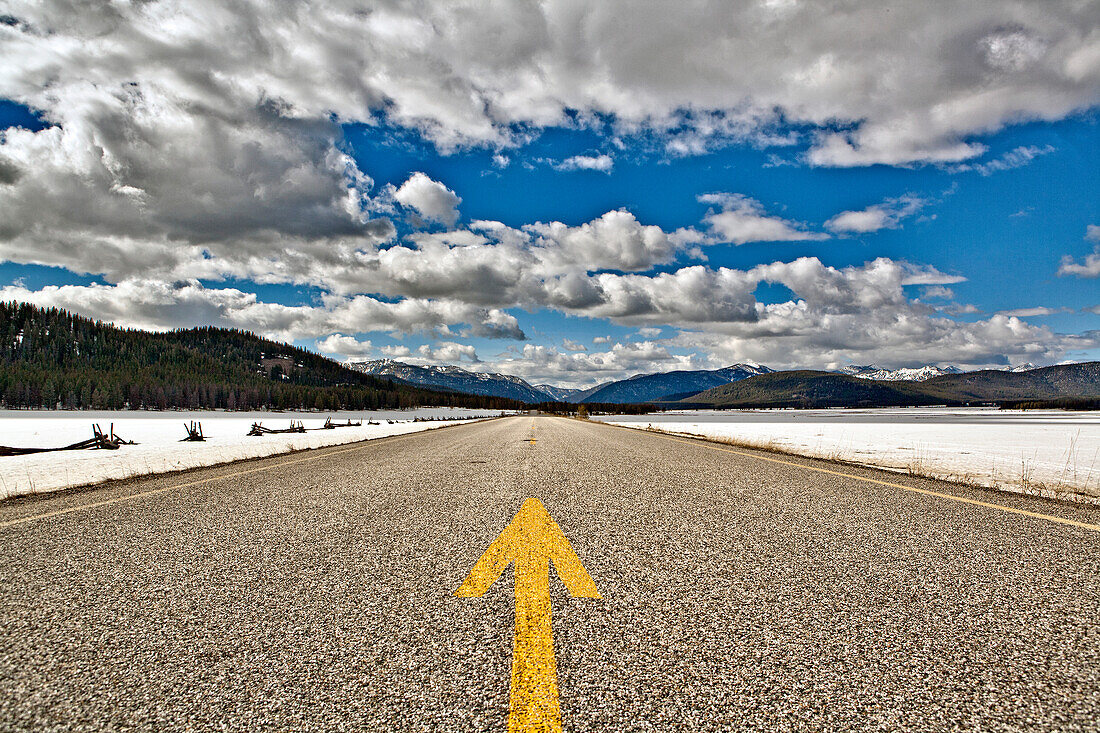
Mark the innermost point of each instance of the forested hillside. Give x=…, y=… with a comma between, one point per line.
x=823, y=389
x=50, y=357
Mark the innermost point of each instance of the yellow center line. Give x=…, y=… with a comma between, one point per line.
x=927, y=492
x=200, y=482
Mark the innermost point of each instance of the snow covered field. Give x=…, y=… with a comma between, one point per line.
x=1048, y=452
x=158, y=435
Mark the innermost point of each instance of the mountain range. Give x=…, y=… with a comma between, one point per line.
x=455, y=379
x=51, y=358
x=918, y=374
x=662, y=386
x=755, y=385
x=829, y=389
x=669, y=386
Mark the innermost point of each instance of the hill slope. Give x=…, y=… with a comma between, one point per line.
x=812, y=389
x=1063, y=380
x=825, y=389
x=667, y=385
x=50, y=357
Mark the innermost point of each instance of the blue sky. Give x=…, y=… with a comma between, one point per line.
x=573, y=198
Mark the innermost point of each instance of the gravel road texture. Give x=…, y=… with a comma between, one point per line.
x=316, y=591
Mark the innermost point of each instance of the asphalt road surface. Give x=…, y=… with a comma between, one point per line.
x=739, y=590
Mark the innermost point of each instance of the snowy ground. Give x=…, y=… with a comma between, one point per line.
x=1048, y=452
x=158, y=435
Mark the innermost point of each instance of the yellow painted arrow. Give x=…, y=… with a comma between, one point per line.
x=531, y=541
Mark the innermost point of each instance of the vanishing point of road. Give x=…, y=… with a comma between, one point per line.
x=694, y=587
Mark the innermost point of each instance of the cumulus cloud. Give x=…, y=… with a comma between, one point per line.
x=602, y=163
x=196, y=140
x=893, y=339
x=740, y=219
x=570, y=345
x=344, y=345
x=1090, y=266
x=431, y=199
x=545, y=364
x=886, y=215
x=156, y=305
x=217, y=126
x=851, y=314
x=937, y=292
x=443, y=352
x=615, y=241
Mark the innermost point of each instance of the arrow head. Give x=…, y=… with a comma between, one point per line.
x=531, y=537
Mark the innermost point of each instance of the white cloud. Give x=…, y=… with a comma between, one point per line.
x=1090, y=267
x=191, y=126
x=398, y=351
x=927, y=275
x=937, y=292
x=740, y=219
x=200, y=140
x=894, y=338
x=545, y=364
x=959, y=309
x=155, y=305
x=852, y=314
x=887, y=215
x=1015, y=158
x=615, y=241
x=897, y=142
x=1032, y=312
x=344, y=345
x=602, y=163
x=430, y=198
x=570, y=345
x=445, y=352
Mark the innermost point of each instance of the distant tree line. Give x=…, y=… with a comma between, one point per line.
x=1057, y=403
x=593, y=408
x=51, y=358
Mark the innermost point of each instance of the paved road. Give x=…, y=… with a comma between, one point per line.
x=316, y=591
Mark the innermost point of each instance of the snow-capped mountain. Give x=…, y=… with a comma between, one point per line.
x=918, y=374
x=1023, y=367
x=639, y=388
x=678, y=384
x=452, y=378
x=561, y=394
